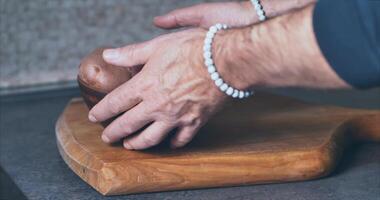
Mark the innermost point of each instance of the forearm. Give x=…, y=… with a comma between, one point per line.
x=282, y=52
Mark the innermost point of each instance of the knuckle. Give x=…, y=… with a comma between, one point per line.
x=123, y=125
x=145, y=112
x=113, y=105
x=192, y=120
x=129, y=129
x=178, y=18
x=129, y=52
x=172, y=115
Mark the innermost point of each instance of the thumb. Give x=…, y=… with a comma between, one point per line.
x=135, y=54
x=130, y=55
x=189, y=16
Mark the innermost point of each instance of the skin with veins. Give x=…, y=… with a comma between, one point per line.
x=282, y=52
x=103, y=77
x=173, y=90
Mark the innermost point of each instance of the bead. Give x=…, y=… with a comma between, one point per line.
x=241, y=94
x=218, y=82
x=207, y=47
x=259, y=9
x=246, y=94
x=257, y=6
x=213, y=29
x=211, y=69
x=208, y=41
x=210, y=34
x=223, y=87
x=229, y=91
x=219, y=26
x=207, y=54
x=208, y=62
x=214, y=76
x=235, y=94
x=260, y=12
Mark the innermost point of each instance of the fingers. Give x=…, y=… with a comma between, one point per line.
x=127, y=124
x=134, y=54
x=183, y=136
x=119, y=100
x=190, y=16
x=149, y=137
x=130, y=55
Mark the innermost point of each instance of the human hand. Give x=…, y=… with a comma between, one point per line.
x=235, y=14
x=172, y=91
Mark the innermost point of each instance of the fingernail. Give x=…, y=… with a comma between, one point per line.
x=111, y=54
x=126, y=145
x=105, y=138
x=92, y=118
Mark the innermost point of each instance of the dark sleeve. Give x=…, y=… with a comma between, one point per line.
x=348, y=33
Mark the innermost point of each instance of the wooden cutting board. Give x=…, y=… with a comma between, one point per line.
x=265, y=139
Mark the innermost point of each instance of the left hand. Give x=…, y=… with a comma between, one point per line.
x=172, y=91
x=235, y=14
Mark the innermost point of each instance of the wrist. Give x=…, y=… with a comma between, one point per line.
x=209, y=57
x=232, y=59
x=285, y=53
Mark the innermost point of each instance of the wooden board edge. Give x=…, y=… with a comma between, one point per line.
x=361, y=129
x=324, y=161
x=89, y=175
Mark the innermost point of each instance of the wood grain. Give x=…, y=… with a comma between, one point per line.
x=265, y=139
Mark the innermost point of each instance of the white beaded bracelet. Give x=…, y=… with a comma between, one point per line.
x=259, y=9
x=215, y=76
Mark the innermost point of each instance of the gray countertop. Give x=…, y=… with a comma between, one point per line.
x=30, y=157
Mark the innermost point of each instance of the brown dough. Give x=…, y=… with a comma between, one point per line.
x=96, y=78
x=99, y=75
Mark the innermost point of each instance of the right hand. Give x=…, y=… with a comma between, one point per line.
x=173, y=91
x=234, y=14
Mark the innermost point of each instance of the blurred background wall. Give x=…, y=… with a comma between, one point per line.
x=42, y=42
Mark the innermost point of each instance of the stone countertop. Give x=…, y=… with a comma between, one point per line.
x=42, y=41
x=30, y=157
